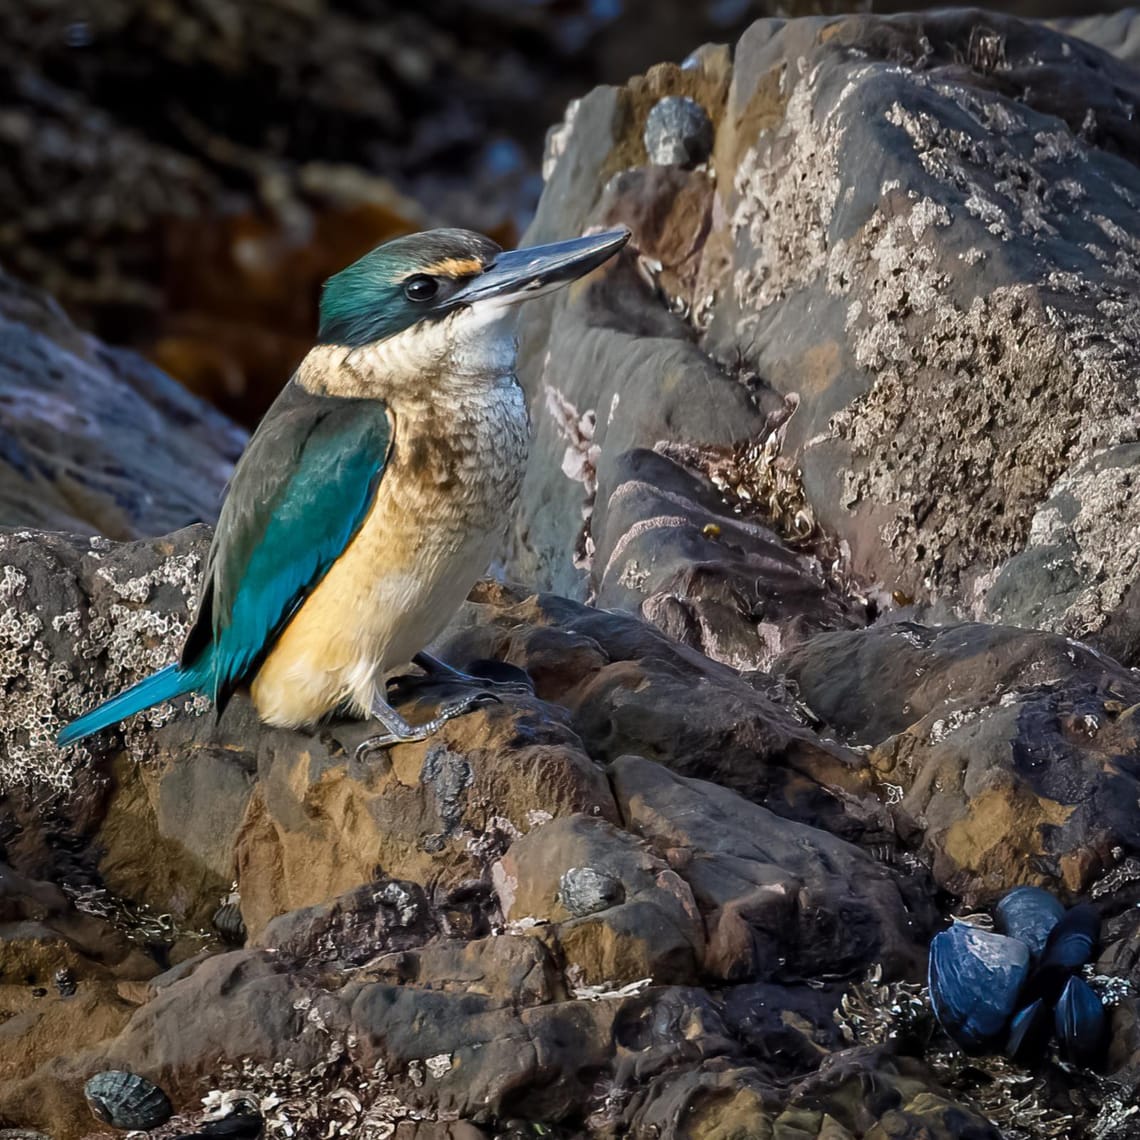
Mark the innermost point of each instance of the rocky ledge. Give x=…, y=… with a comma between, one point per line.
x=835, y=634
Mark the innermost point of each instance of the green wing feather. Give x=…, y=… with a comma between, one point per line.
x=297, y=498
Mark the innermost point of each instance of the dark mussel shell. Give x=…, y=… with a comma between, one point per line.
x=1029, y=1032
x=229, y=923
x=1029, y=913
x=126, y=1100
x=1072, y=941
x=975, y=980
x=238, y=1126
x=1081, y=1023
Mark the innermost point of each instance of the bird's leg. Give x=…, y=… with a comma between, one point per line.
x=434, y=667
x=401, y=731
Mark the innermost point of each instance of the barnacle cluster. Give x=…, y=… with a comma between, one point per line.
x=132, y=640
x=136, y=921
x=756, y=476
x=873, y=1012
x=335, y=1097
x=32, y=681
x=44, y=678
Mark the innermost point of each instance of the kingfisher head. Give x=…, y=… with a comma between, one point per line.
x=452, y=279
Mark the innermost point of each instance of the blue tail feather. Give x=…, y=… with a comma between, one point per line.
x=158, y=687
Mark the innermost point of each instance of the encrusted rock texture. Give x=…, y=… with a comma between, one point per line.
x=828, y=552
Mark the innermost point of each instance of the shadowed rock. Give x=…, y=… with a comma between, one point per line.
x=95, y=440
x=1013, y=751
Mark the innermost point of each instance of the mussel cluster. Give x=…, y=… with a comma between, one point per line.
x=1013, y=990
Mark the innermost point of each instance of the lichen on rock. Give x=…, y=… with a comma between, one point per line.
x=76, y=625
x=986, y=291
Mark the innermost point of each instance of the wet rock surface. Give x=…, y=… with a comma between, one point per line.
x=785, y=720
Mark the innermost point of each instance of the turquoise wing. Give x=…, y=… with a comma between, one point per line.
x=298, y=496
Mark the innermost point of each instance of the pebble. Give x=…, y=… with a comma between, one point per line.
x=678, y=132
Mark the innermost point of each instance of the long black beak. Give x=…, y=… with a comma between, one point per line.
x=525, y=273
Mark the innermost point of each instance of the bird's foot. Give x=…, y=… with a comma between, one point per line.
x=510, y=678
x=400, y=731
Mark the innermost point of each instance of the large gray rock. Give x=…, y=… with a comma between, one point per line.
x=918, y=231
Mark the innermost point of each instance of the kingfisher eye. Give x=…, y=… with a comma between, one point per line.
x=421, y=287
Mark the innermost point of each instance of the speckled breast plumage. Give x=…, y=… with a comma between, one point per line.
x=441, y=511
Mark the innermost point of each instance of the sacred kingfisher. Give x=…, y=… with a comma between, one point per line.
x=374, y=492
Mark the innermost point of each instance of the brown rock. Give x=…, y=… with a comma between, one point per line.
x=630, y=688
x=1009, y=748
x=779, y=899
x=648, y=927
x=321, y=822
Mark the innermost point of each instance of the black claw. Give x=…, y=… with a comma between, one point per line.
x=467, y=704
x=509, y=678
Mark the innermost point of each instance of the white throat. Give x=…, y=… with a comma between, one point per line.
x=473, y=347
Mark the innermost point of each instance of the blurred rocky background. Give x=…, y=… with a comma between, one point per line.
x=181, y=175
x=825, y=572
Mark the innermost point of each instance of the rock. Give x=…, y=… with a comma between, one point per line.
x=873, y=1096
x=651, y=932
x=128, y=608
x=367, y=921
x=318, y=822
x=62, y=972
x=429, y=887
x=1069, y=577
x=612, y=373
x=780, y=900
x=1008, y=747
x=516, y=967
x=1115, y=32
x=927, y=221
x=95, y=440
x=723, y=584
x=629, y=688
x=678, y=132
